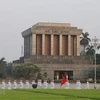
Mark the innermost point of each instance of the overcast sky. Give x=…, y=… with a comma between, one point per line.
x=18, y=15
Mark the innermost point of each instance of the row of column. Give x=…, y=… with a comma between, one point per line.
x=52, y=46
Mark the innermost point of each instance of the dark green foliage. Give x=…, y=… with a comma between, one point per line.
x=3, y=65
x=98, y=73
x=26, y=70
x=9, y=69
x=45, y=74
x=97, y=58
x=91, y=73
x=90, y=52
x=39, y=76
x=84, y=40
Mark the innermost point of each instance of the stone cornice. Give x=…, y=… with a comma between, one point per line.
x=59, y=31
x=52, y=28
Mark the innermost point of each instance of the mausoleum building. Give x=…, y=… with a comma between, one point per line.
x=55, y=48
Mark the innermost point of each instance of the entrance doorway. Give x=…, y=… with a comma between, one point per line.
x=60, y=73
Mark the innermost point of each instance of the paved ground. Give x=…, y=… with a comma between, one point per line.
x=72, y=86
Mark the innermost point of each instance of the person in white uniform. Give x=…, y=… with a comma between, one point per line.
x=45, y=84
x=9, y=85
x=67, y=84
x=33, y=82
x=21, y=84
x=66, y=77
x=57, y=77
x=52, y=84
x=3, y=85
x=39, y=84
x=87, y=85
x=14, y=84
x=78, y=84
x=27, y=84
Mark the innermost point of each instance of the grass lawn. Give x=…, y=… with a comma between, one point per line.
x=49, y=94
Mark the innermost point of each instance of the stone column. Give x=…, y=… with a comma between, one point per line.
x=78, y=45
x=75, y=45
x=60, y=45
x=43, y=44
x=51, y=44
x=33, y=44
x=30, y=45
x=69, y=45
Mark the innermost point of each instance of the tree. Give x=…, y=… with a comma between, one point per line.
x=98, y=47
x=91, y=73
x=3, y=65
x=90, y=51
x=26, y=70
x=45, y=74
x=84, y=40
x=98, y=73
x=97, y=58
x=39, y=76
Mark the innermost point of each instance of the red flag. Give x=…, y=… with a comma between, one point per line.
x=63, y=80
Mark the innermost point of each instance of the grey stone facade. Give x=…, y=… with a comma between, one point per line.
x=72, y=63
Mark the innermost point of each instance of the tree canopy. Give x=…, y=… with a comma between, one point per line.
x=90, y=51
x=26, y=70
x=3, y=65
x=91, y=73
x=84, y=40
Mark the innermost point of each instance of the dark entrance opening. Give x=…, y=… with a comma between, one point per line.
x=60, y=73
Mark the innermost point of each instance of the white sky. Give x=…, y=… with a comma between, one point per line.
x=18, y=15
